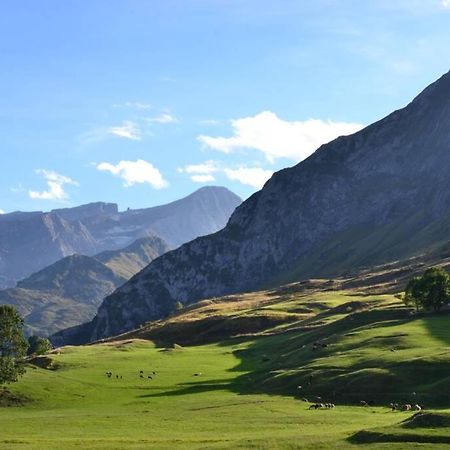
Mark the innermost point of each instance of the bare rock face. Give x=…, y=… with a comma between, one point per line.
x=31, y=241
x=380, y=194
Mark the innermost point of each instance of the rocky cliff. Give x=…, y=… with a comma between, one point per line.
x=380, y=194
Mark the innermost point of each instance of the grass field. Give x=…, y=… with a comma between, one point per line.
x=343, y=346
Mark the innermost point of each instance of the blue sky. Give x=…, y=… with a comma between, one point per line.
x=141, y=102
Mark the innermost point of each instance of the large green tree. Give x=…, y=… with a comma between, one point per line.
x=13, y=345
x=431, y=291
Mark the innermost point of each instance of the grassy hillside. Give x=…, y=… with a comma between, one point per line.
x=344, y=346
x=78, y=406
x=339, y=341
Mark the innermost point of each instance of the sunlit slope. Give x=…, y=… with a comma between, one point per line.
x=241, y=371
x=341, y=345
x=78, y=406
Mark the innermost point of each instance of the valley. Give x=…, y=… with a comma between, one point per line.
x=224, y=225
x=242, y=371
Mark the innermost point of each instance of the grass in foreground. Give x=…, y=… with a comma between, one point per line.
x=245, y=393
x=78, y=406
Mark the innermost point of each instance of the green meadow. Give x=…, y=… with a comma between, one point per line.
x=244, y=392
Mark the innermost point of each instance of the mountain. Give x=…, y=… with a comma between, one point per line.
x=378, y=195
x=31, y=241
x=135, y=257
x=63, y=294
x=68, y=292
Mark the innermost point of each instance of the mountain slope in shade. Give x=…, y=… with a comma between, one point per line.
x=69, y=291
x=63, y=294
x=380, y=194
x=130, y=260
x=31, y=241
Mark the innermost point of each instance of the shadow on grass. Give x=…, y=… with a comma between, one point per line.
x=345, y=370
x=194, y=387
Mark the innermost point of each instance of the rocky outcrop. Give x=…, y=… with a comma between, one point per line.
x=380, y=194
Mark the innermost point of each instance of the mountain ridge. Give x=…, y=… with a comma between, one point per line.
x=32, y=241
x=357, y=200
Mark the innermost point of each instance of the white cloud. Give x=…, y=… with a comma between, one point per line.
x=2, y=212
x=128, y=130
x=446, y=3
x=135, y=105
x=209, y=122
x=55, y=183
x=208, y=167
x=252, y=176
x=135, y=172
x=203, y=178
x=277, y=138
x=203, y=173
x=164, y=118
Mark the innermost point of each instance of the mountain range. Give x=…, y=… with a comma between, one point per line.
x=378, y=195
x=30, y=241
x=68, y=292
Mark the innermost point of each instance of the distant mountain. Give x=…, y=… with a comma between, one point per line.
x=32, y=241
x=69, y=291
x=378, y=195
x=130, y=260
x=63, y=294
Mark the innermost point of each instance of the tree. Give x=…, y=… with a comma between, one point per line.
x=13, y=345
x=413, y=293
x=430, y=291
x=38, y=345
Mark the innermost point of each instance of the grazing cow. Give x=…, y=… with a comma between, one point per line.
x=151, y=378
x=197, y=374
x=393, y=406
x=154, y=373
x=141, y=371
x=316, y=406
x=141, y=376
x=407, y=407
x=417, y=407
x=363, y=403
